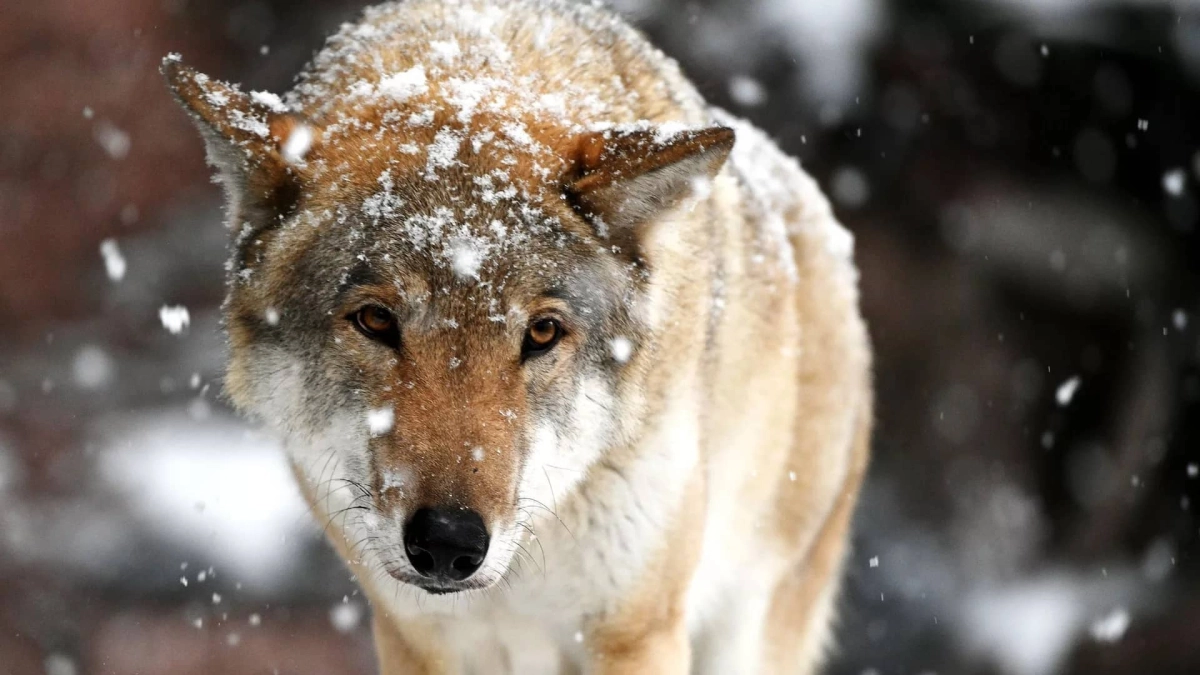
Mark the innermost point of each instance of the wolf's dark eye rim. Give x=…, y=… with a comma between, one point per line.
x=541, y=336
x=378, y=324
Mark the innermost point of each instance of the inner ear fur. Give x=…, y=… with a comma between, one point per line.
x=245, y=136
x=623, y=179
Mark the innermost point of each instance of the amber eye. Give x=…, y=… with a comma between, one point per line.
x=377, y=323
x=541, y=336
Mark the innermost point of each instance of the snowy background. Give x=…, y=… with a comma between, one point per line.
x=1022, y=177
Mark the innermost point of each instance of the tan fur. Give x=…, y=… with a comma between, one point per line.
x=745, y=410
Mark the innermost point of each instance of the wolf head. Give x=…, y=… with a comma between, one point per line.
x=445, y=306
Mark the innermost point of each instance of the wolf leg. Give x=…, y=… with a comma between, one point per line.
x=800, y=621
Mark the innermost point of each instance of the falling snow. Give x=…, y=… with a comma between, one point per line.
x=849, y=187
x=1034, y=631
x=1111, y=627
x=345, y=616
x=1066, y=391
x=114, y=141
x=174, y=319
x=380, y=420
x=746, y=91
x=621, y=349
x=298, y=143
x=1173, y=182
x=114, y=262
x=92, y=368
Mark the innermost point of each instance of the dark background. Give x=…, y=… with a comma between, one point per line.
x=1020, y=176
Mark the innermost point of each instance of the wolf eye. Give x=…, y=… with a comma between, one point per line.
x=378, y=324
x=541, y=336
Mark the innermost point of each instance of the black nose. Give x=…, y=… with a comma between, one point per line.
x=449, y=543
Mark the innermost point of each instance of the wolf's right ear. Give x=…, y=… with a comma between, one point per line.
x=256, y=145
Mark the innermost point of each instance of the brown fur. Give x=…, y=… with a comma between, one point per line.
x=748, y=342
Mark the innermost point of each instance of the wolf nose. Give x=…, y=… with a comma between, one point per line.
x=449, y=543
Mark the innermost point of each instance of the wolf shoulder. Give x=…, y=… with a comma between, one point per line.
x=785, y=206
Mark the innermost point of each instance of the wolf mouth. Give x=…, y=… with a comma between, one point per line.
x=439, y=587
x=440, y=590
x=435, y=586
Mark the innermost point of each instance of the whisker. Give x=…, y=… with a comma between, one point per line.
x=533, y=537
x=551, y=512
x=366, y=492
x=335, y=514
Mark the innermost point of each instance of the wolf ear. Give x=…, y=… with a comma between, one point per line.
x=256, y=145
x=625, y=178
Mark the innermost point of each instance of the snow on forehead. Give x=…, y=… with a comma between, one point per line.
x=465, y=238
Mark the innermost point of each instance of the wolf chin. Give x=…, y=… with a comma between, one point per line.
x=568, y=363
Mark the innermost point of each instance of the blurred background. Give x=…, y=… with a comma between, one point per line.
x=1022, y=178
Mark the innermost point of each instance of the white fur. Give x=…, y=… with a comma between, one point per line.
x=559, y=459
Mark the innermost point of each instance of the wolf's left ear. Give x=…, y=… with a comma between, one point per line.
x=256, y=145
x=625, y=178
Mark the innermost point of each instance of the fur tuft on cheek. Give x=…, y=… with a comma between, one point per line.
x=563, y=447
x=290, y=397
x=265, y=384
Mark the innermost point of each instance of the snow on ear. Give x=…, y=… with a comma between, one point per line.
x=256, y=145
x=624, y=178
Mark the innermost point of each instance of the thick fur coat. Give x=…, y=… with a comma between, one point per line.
x=499, y=258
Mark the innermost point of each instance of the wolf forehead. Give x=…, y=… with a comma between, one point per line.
x=479, y=224
x=418, y=183
x=434, y=204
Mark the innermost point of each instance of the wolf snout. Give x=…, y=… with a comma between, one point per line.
x=446, y=543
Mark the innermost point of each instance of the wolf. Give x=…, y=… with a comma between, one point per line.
x=567, y=362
